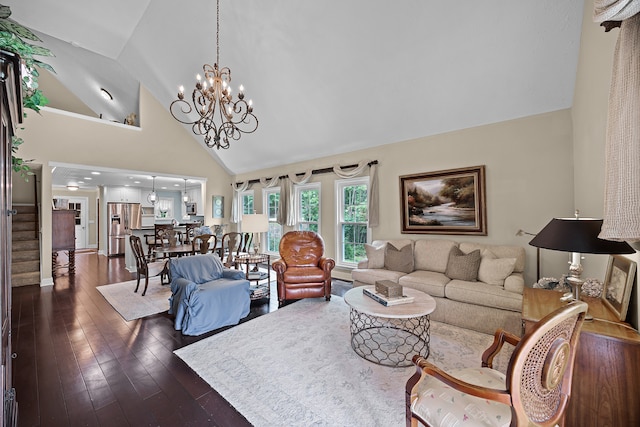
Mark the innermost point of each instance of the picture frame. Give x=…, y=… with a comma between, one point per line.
x=618, y=282
x=444, y=202
x=217, y=207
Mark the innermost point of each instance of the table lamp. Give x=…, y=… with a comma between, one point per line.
x=255, y=223
x=577, y=235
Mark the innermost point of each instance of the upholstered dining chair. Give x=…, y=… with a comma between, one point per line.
x=204, y=243
x=146, y=268
x=302, y=270
x=534, y=392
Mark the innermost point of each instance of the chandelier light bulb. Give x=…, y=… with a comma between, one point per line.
x=241, y=88
x=198, y=78
x=181, y=90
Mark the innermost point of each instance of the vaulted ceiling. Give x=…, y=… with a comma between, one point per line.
x=326, y=77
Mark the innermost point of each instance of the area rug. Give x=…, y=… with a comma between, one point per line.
x=295, y=367
x=132, y=305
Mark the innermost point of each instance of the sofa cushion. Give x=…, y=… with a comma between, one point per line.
x=500, y=251
x=480, y=293
x=432, y=254
x=398, y=259
x=514, y=283
x=463, y=266
x=430, y=282
x=371, y=275
x=494, y=270
x=375, y=255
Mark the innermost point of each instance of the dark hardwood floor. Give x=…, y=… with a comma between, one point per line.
x=79, y=363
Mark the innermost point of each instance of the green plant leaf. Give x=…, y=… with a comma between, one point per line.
x=42, y=51
x=17, y=29
x=44, y=66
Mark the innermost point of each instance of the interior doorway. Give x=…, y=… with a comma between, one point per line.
x=80, y=205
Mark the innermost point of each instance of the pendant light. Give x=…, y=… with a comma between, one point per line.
x=185, y=196
x=153, y=197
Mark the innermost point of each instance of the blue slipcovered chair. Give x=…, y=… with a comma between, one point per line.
x=205, y=295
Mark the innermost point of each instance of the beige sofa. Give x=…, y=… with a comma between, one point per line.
x=476, y=286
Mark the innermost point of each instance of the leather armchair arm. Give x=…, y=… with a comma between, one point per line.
x=326, y=264
x=279, y=266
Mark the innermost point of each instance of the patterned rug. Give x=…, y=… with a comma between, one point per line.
x=295, y=367
x=132, y=305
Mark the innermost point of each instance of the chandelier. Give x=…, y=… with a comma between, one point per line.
x=220, y=117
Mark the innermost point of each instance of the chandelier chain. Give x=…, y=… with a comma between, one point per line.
x=218, y=32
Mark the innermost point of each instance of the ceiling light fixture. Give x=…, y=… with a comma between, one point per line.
x=153, y=197
x=185, y=196
x=72, y=186
x=105, y=94
x=212, y=101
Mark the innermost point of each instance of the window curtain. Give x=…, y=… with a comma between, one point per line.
x=287, y=207
x=373, y=196
x=237, y=188
x=622, y=148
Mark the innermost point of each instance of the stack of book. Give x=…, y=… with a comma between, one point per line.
x=387, y=301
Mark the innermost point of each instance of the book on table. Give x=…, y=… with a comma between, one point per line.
x=387, y=301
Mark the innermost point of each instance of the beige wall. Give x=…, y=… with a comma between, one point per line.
x=589, y=114
x=160, y=145
x=529, y=178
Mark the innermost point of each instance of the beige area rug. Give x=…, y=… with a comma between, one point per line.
x=295, y=367
x=132, y=305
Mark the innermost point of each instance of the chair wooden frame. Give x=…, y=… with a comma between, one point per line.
x=555, y=337
x=145, y=268
x=202, y=244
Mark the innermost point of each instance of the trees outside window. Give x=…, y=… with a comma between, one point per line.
x=352, y=230
x=308, y=207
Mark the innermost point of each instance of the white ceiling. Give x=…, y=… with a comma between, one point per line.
x=331, y=76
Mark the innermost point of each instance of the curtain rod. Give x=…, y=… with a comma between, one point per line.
x=315, y=172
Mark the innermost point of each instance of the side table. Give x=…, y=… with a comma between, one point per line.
x=259, y=290
x=605, y=376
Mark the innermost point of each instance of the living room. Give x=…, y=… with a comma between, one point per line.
x=538, y=166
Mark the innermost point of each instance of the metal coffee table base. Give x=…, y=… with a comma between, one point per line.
x=389, y=342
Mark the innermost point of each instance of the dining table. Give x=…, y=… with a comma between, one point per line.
x=174, y=251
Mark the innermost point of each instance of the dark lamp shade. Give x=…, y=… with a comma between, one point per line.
x=577, y=235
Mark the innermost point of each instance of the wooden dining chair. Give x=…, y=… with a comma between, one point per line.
x=146, y=268
x=157, y=239
x=232, y=244
x=204, y=243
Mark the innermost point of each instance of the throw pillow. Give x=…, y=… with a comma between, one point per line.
x=375, y=256
x=494, y=270
x=398, y=259
x=463, y=266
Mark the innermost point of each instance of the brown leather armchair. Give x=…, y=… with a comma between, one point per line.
x=302, y=270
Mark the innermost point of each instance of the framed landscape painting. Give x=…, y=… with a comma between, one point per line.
x=444, y=202
x=618, y=283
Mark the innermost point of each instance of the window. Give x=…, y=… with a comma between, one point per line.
x=352, y=230
x=308, y=207
x=271, y=198
x=246, y=203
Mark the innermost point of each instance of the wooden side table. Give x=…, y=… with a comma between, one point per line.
x=606, y=376
x=259, y=290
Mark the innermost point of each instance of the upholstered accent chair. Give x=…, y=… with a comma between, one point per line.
x=302, y=270
x=534, y=392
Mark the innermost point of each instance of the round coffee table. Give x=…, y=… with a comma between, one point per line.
x=389, y=336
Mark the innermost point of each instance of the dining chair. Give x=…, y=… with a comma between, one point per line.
x=232, y=245
x=146, y=268
x=534, y=392
x=157, y=239
x=204, y=243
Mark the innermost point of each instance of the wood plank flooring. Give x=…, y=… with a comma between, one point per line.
x=78, y=363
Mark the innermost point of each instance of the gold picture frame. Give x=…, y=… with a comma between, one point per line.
x=444, y=202
x=618, y=282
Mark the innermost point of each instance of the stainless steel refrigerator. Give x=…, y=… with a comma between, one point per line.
x=123, y=217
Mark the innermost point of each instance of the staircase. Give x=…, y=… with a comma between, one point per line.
x=25, y=247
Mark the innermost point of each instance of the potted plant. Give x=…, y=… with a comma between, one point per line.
x=12, y=38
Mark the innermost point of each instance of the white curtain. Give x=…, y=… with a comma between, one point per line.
x=283, y=207
x=237, y=188
x=622, y=151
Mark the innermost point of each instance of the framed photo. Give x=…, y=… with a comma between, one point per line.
x=217, y=207
x=617, y=286
x=444, y=202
